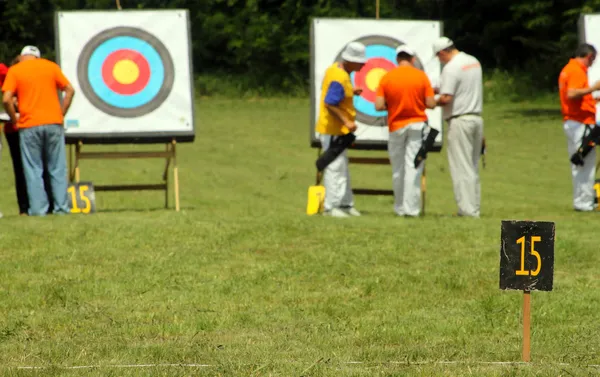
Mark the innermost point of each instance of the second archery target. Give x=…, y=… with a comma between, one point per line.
x=381, y=55
x=329, y=37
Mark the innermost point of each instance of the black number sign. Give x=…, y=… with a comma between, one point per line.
x=82, y=198
x=527, y=255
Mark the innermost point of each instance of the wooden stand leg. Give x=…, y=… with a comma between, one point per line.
x=77, y=153
x=166, y=177
x=175, y=175
x=526, y=326
x=423, y=189
x=70, y=162
x=319, y=174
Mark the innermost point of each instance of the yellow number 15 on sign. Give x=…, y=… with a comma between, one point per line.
x=82, y=197
x=523, y=271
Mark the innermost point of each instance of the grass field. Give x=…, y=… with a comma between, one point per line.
x=241, y=280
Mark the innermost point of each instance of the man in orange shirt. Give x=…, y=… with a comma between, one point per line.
x=406, y=93
x=35, y=82
x=579, y=115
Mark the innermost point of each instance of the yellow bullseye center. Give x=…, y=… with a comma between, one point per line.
x=373, y=78
x=126, y=72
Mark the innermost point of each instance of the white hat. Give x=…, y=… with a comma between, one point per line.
x=355, y=53
x=31, y=50
x=405, y=49
x=442, y=44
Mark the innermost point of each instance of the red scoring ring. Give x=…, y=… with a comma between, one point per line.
x=126, y=89
x=360, y=77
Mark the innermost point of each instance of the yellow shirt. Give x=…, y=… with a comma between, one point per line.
x=328, y=123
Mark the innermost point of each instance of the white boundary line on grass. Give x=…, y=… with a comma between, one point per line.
x=494, y=363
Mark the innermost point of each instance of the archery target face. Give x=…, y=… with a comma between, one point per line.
x=131, y=71
x=125, y=72
x=381, y=55
x=381, y=38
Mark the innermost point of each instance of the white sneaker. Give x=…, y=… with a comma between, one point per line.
x=336, y=212
x=351, y=211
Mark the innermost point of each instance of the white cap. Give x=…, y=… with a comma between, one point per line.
x=355, y=53
x=405, y=49
x=441, y=44
x=31, y=50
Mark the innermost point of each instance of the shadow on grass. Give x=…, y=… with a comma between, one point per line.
x=156, y=209
x=537, y=112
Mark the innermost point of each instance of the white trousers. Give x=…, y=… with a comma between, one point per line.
x=465, y=136
x=583, y=176
x=336, y=179
x=403, y=146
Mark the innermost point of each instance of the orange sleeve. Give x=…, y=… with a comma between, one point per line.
x=576, y=80
x=10, y=83
x=61, y=80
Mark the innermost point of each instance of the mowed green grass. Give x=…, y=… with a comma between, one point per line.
x=244, y=281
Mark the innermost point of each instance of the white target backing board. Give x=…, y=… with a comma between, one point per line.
x=589, y=32
x=381, y=37
x=132, y=75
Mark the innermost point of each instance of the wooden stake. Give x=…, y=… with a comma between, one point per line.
x=175, y=176
x=526, y=326
x=376, y=9
x=166, y=178
x=119, y=5
x=70, y=162
x=77, y=155
x=423, y=189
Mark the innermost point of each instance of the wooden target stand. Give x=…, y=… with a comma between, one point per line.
x=170, y=156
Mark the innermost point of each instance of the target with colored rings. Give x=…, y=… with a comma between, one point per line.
x=125, y=72
x=381, y=58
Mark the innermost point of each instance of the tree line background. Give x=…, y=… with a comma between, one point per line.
x=263, y=45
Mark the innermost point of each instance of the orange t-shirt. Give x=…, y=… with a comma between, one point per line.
x=35, y=83
x=583, y=109
x=405, y=89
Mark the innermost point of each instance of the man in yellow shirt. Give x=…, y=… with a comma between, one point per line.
x=336, y=118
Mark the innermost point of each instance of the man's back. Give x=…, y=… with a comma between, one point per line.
x=462, y=78
x=405, y=89
x=35, y=82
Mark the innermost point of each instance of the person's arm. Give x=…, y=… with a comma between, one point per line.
x=443, y=100
x=68, y=99
x=574, y=93
x=9, y=106
x=9, y=88
x=429, y=92
x=430, y=102
x=448, y=88
x=380, y=104
x=64, y=85
x=335, y=95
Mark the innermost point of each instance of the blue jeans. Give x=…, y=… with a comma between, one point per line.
x=47, y=143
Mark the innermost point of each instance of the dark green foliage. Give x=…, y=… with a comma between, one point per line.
x=265, y=43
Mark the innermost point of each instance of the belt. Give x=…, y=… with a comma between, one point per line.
x=462, y=115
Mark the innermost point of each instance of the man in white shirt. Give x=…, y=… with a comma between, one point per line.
x=461, y=98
